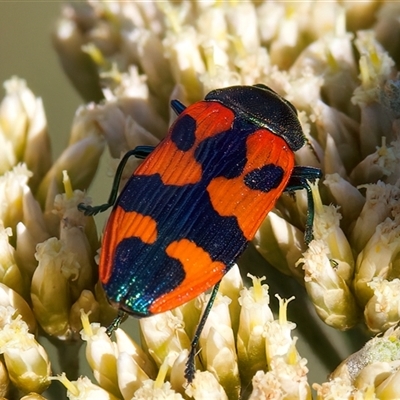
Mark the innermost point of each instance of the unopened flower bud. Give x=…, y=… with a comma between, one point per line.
x=80, y=160
x=89, y=305
x=101, y=354
x=280, y=243
x=329, y=292
x=382, y=310
x=378, y=258
x=255, y=312
x=50, y=289
x=26, y=360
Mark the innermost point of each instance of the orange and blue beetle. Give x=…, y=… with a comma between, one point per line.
x=189, y=210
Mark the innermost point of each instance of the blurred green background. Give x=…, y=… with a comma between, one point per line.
x=26, y=51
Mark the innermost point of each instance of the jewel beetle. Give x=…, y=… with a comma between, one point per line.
x=189, y=210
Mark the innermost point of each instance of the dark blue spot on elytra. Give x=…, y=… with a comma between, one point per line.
x=141, y=274
x=265, y=178
x=184, y=132
x=225, y=154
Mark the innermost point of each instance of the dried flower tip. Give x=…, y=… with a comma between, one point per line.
x=331, y=296
x=205, y=386
x=378, y=258
x=382, y=310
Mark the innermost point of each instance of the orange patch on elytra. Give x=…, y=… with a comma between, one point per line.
x=177, y=167
x=232, y=197
x=122, y=225
x=201, y=273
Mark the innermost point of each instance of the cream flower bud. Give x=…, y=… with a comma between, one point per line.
x=287, y=371
x=376, y=166
x=378, y=258
x=23, y=129
x=37, y=155
x=327, y=229
x=216, y=75
x=10, y=298
x=84, y=389
x=78, y=65
x=338, y=132
x=330, y=56
x=130, y=375
x=205, y=386
x=164, y=336
x=29, y=232
x=101, y=354
x=242, y=24
x=26, y=360
x=217, y=345
x=177, y=376
x=376, y=209
x=280, y=243
x=286, y=47
x=344, y=193
x=89, y=305
x=154, y=64
x=338, y=388
x=331, y=296
x=133, y=365
x=231, y=286
x=76, y=244
x=69, y=217
x=130, y=100
x=33, y=396
x=10, y=274
x=277, y=333
x=389, y=388
x=219, y=350
x=375, y=67
x=255, y=312
x=186, y=63
x=150, y=390
x=23, y=124
x=13, y=186
x=283, y=381
x=382, y=310
x=80, y=160
x=126, y=345
x=50, y=290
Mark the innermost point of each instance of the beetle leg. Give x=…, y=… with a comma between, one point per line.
x=138, y=152
x=298, y=181
x=116, y=322
x=190, y=363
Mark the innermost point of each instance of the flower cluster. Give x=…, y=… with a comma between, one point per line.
x=337, y=63
x=263, y=351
